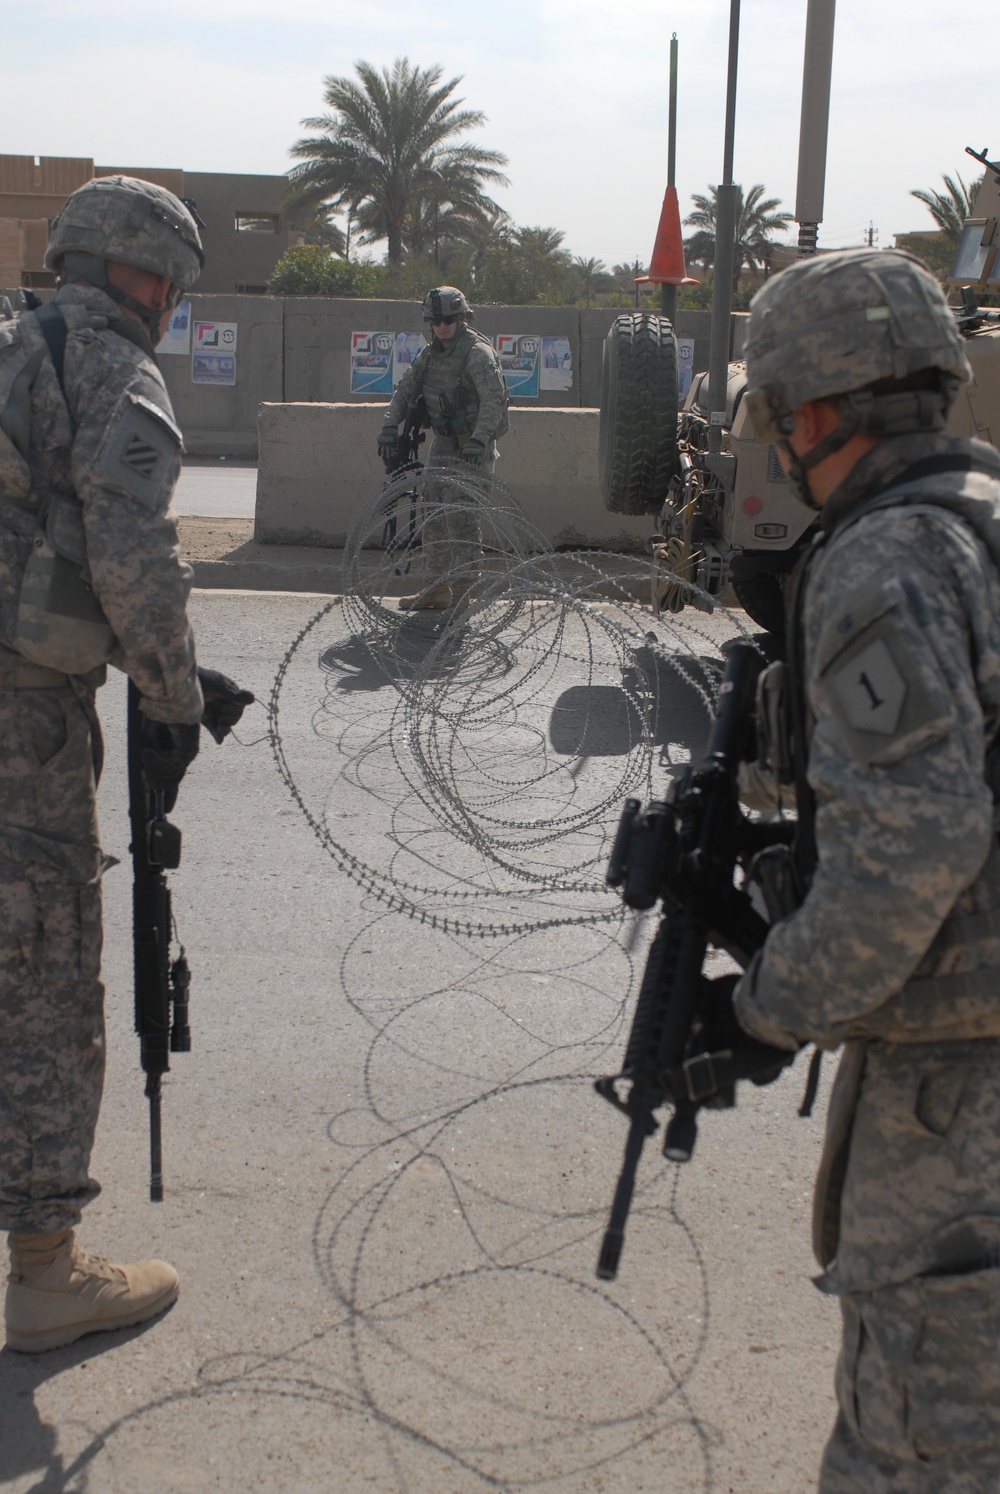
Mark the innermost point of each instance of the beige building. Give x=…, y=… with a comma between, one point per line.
x=244, y=235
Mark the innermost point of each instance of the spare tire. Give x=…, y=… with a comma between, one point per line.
x=638, y=430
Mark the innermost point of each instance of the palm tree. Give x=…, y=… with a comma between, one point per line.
x=950, y=210
x=388, y=148
x=756, y=221
x=524, y=266
x=592, y=274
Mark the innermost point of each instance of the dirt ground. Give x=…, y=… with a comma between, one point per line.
x=211, y=539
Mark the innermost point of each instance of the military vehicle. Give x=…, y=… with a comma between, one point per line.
x=730, y=517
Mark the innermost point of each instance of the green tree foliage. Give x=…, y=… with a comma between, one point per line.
x=389, y=155
x=591, y=278
x=311, y=270
x=756, y=223
x=524, y=267
x=951, y=208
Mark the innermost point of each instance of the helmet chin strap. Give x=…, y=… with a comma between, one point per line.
x=94, y=270
x=866, y=413
x=799, y=466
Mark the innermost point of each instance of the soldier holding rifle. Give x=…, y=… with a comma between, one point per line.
x=892, y=686
x=90, y=574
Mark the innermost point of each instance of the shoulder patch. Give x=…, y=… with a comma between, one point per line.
x=870, y=689
x=876, y=674
x=140, y=453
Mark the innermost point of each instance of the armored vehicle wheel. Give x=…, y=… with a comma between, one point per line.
x=638, y=431
x=762, y=595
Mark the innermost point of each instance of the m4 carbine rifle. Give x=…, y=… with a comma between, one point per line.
x=685, y=851
x=162, y=985
x=405, y=459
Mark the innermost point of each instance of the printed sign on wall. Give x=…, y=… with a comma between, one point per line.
x=213, y=353
x=557, y=364
x=518, y=354
x=372, y=362
x=177, y=338
x=685, y=365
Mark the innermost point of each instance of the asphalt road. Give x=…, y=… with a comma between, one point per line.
x=386, y=1170
x=217, y=489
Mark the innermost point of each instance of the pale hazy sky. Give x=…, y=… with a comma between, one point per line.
x=575, y=92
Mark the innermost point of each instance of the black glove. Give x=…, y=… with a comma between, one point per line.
x=225, y=702
x=388, y=441
x=473, y=452
x=721, y=1032
x=166, y=750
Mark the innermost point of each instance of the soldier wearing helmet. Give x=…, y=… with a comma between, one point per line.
x=893, y=687
x=462, y=395
x=90, y=575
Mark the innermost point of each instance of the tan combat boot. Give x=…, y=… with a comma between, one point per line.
x=436, y=598
x=57, y=1292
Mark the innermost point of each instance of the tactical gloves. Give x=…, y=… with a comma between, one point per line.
x=473, y=452
x=388, y=441
x=167, y=749
x=225, y=702
x=720, y=1033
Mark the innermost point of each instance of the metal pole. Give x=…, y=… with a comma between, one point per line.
x=668, y=293
x=727, y=198
x=814, y=123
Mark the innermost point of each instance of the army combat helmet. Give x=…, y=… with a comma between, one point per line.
x=445, y=300
x=136, y=222
x=867, y=328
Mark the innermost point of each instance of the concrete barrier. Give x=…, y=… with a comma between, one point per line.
x=318, y=466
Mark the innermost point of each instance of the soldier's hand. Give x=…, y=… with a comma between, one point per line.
x=225, y=702
x=388, y=442
x=721, y=1031
x=721, y=1028
x=166, y=750
x=473, y=452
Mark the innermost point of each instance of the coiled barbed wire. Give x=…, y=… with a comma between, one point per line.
x=511, y=725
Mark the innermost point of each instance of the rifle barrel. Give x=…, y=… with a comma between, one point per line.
x=155, y=1140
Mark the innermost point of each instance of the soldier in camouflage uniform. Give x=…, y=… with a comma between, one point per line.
x=461, y=383
x=893, y=679
x=90, y=574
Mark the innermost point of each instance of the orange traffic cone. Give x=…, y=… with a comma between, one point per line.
x=668, y=267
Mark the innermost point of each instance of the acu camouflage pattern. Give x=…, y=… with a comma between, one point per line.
x=126, y=219
x=109, y=477
x=438, y=370
x=903, y=912
x=897, y=948
x=451, y=536
x=51, y=996
x=106, y=486
x=838, y=322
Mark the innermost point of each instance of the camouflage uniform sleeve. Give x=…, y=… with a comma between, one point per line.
x=487, y=378
x=126, y=459
x=904, y=817
x=405, y=391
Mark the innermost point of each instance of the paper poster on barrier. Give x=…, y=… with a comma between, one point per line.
x=177, y=337
x=405, y=348
x=213, y=353
x=557, y=364
x=685, y=365
x=213, y=368
x=372, y=362
x=215, y=337
x=518, y=356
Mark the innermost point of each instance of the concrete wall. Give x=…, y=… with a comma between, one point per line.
x=318, y=467
x=221, y=420
x=298, y=349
